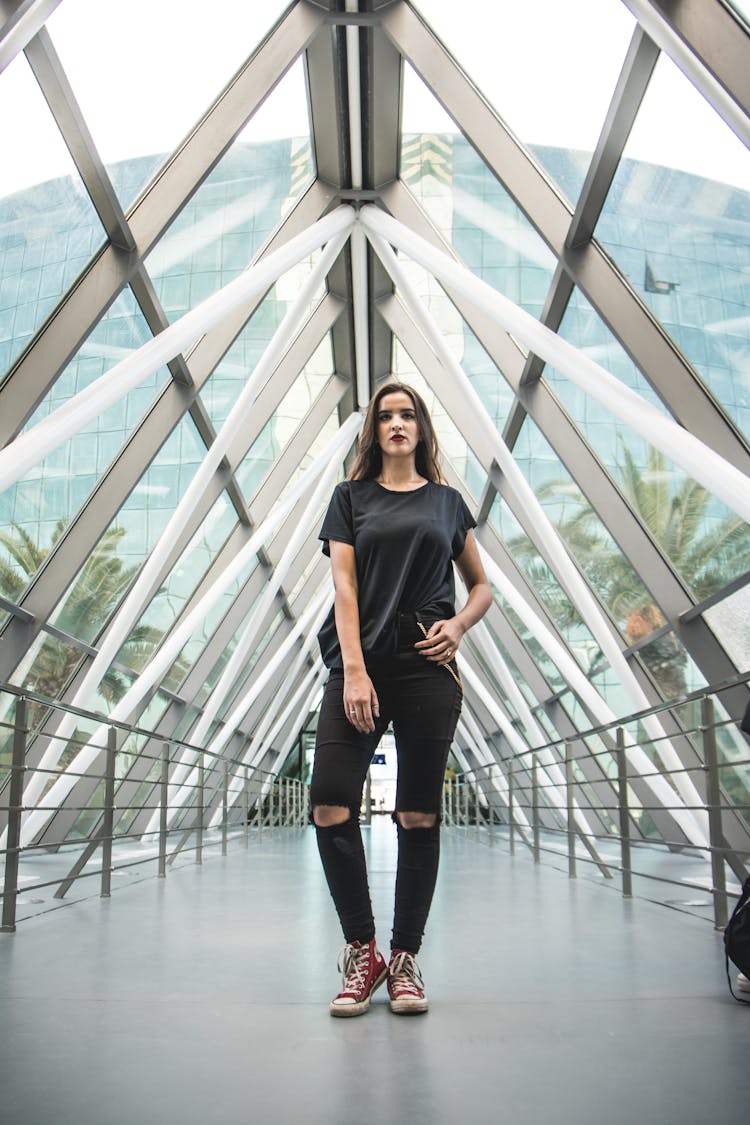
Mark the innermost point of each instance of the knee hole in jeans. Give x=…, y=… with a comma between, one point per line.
x=328, y=816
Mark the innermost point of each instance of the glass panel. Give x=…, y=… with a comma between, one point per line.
x=609, y=573
x=537, y=652
x=48, y=226
x=706, y=543
x=232, y=214
x=243, y=682
x=173, y=594
x=551, y=84
x=48, y=666
x=453, y=445
x=683, y=240
x=327, y=432
x=671, y=669
x=561, y=610
x=729, y=621
x=478, y=218
x=193, y=648
x=286, y=419
x=114, y=562
x=36, y=510
x=181, y=59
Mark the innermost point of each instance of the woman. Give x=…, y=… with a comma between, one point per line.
x=392, y=531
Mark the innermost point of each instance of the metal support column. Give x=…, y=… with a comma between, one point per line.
x=163, y=810
x=245, y=810
x=535, y=804
x=225, y=809
x=108, y=823
x=199, y=814
x=569, y=789
x=511, y=810
x=622, y=788
x=713, y=797
x=15, y=813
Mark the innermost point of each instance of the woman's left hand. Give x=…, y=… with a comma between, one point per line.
x=442, y=641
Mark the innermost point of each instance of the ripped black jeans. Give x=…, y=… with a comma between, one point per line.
x=423, y=701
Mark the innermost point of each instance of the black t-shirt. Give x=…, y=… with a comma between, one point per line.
x=404, y=543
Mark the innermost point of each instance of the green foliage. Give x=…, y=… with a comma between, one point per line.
x=97, y=592
x=706, y=553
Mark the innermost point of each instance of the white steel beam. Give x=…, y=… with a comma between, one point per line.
x=162, y=661
x=698, y=460
x=34, y=444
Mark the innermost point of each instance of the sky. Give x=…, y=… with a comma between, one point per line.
x=161, y=66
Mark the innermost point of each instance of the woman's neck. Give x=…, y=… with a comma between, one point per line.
x=395, y=473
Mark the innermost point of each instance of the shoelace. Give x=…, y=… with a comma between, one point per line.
x=352, y=964
x=405, y=975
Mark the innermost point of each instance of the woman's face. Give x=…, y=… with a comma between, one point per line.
x=396, y=425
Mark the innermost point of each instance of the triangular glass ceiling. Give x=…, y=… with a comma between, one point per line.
x=182, y=509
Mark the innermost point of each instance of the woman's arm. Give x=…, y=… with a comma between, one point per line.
x=360, y=699
x=444, y=637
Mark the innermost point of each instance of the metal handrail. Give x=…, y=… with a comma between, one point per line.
x=472, y=799
x=263, y=802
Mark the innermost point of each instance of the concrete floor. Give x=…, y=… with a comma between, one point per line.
x=203, y=998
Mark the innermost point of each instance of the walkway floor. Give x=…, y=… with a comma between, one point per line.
x=203, y=998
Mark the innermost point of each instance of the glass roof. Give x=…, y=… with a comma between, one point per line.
x=89, y=279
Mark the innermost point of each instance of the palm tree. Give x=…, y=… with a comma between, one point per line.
x=98, y=590
x=705, y=553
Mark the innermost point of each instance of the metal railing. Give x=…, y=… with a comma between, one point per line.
x=130, y=787
x=511, y=802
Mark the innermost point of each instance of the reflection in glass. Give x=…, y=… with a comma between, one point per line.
x=115, y=560
x=549, y=591
x=683, y=239
x=48, y=226
x=475, y=214
x=550, y=83
x=236, y=209
x=181, y=59
x=670, y=667
x=607, y=570
x=186, y=575
x=286, y=419
x=36, y=510
x=706, y=543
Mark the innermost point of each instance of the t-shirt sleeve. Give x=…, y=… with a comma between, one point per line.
x=337, y=523
x=464, y=522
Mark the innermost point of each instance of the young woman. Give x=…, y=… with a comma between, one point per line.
x=392, y=530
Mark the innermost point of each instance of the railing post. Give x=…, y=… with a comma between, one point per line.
x=490, y=790
x=245, y=810
x=466, y=801
x=511, y=809
x=15, y=814
x=477, y=809
x=622, y=788
x=225, y=809
x=108, y=823
x=569, y=783
x=163, y=810
x=199, y=817
x=713, y=797
x=535, y=804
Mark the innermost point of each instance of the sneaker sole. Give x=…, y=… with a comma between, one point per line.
x=346, y=1011
x=409, y=1007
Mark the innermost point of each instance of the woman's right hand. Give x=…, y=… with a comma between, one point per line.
x=360, y=701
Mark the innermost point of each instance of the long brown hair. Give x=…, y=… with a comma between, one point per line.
x=369, y=459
